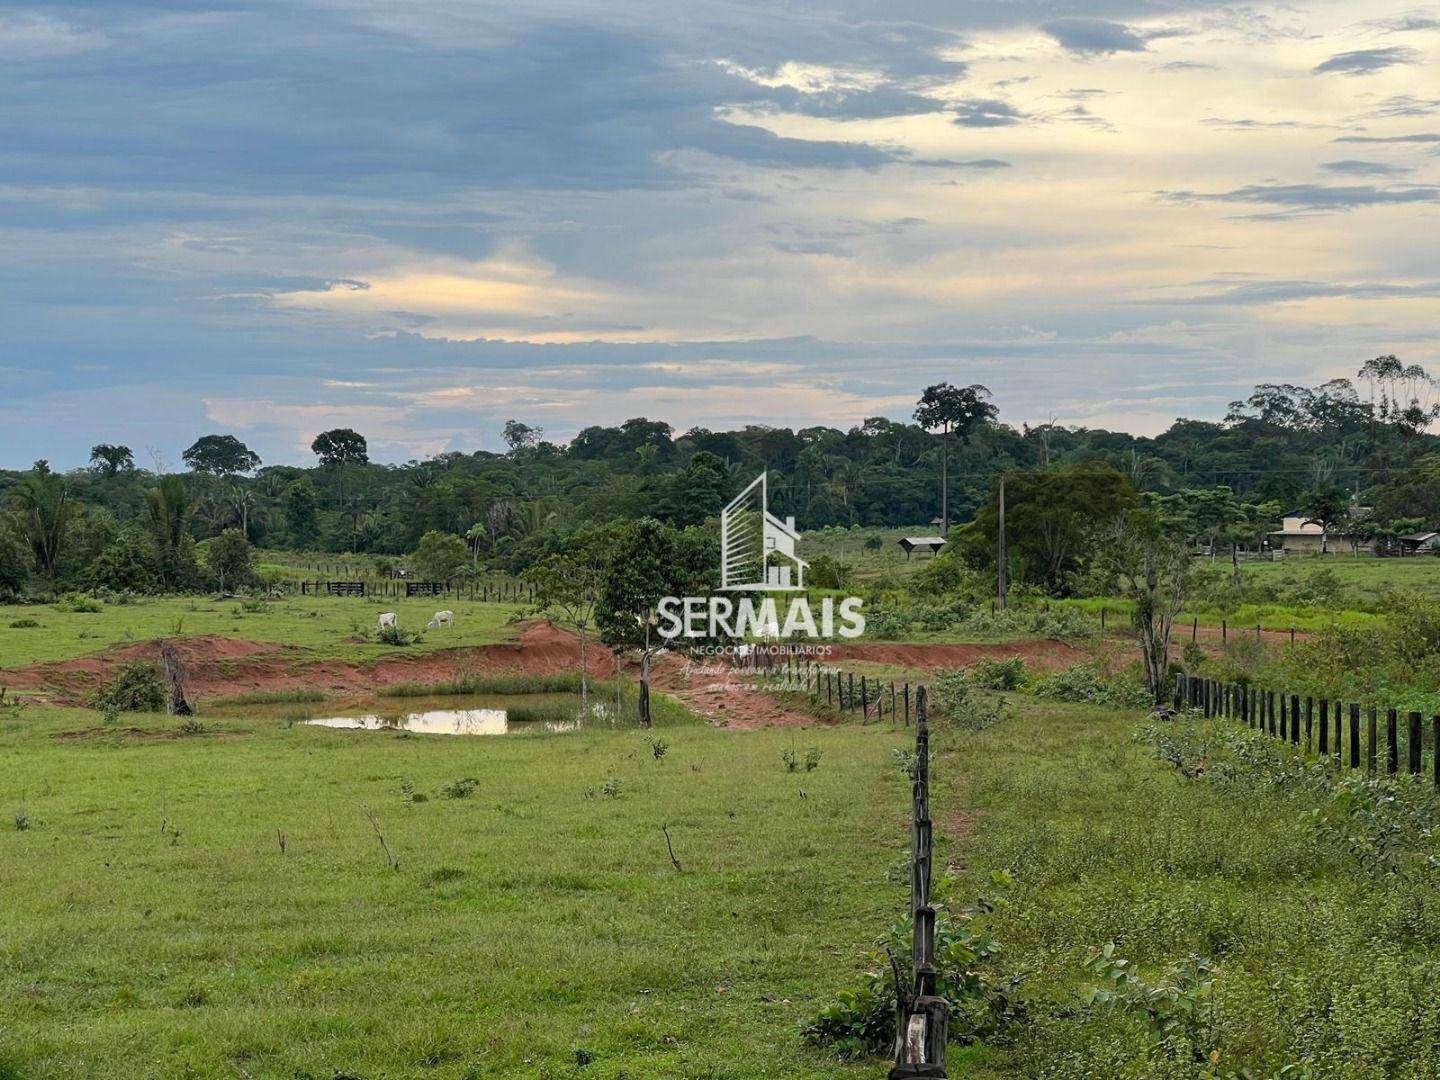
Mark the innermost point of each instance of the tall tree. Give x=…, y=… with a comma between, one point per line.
x=169, y=507
x=45, y=511
x=952, y=410
x=1154, y=571
x=220, y=455
x=109, y=459
x=567, y=586
x=341, y=446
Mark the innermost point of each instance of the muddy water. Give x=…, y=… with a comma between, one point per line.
x=470, y=714
x=445, y=722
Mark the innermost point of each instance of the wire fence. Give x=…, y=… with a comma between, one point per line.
x=1334, y=729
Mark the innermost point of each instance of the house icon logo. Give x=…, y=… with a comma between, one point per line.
x=757, y=549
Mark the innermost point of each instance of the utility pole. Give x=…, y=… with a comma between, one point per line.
x=1000, y=561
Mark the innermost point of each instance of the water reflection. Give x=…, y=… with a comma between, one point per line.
x=446, y=722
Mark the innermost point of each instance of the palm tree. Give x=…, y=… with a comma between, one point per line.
x=169, y=507
x=45, y=509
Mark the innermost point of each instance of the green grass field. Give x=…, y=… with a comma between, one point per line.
x=150, y=924
x=319, y=625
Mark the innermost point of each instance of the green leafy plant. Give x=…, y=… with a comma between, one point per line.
x=984, y=1000
x=1178, y=1010
x=460, y=789
x=138, y=687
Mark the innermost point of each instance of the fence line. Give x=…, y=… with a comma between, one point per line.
x=503, y=592
x=871, y=699
x=922, y=1018
x=1331, y=727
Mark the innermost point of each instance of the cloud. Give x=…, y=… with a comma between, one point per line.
x=1400, y=24
x=986, y=113
x=1366, y=61
x=1422, y=137
x=1298, y=291
x=1350, y=167
x=1188, y=65
x=1093, y=36
x=1316, y=198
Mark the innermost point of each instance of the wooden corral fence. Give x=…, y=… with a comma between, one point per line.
x=1333, y=728
x=871, y=699
x=922, y=1018
x=499, y=592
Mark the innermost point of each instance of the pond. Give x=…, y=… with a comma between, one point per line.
x=467, y=714
x=446, y=722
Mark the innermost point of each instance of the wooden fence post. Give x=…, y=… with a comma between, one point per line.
x=1309, y=723
x=864, y=700
x=1392, y=749
x=1324, y=727
x=1415, y=765
x=907, y=704
x=1372, y=752
x=1354, y=735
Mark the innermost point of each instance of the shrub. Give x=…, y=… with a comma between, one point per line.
x=993, y=673
x=79, y=603
x=983, y=1000
x=399, y=636
x=24, y=624
x=886, y=623
x=137, y=688
x=1087, y=684
x=460, y=789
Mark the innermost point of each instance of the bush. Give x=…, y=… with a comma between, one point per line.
x=983, y=1000
x=397, y=635
x=79, y=603
x=1087, y=684
x=993, y=673
x=24, y=624
x=137, y=688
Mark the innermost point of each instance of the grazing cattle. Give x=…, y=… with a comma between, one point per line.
x=441, y=618
x=387, y=619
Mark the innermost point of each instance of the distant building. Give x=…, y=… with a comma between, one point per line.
x=1298, y=535
x=912, y=544
x=1421, y=543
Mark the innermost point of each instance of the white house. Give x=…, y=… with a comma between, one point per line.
x=780, y=557
x=1298, y=535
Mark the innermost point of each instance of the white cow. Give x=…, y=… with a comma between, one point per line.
x=441, y=618
x=387, y=619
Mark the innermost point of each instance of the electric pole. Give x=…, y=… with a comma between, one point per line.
x=1000, y=561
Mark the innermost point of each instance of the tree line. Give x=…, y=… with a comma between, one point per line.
x=1222, y=485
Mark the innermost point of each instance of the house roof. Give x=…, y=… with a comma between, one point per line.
x=922, y=541
x=1420, y=537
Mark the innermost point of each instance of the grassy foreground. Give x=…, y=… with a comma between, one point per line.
x=151, y=925
x=1325, y=965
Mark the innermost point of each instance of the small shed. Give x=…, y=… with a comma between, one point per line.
x=1421, y=543
x=912, y=544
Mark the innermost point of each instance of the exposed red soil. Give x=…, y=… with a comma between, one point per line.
x=218, y=666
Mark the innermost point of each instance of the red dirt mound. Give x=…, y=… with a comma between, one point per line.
x=219, y=665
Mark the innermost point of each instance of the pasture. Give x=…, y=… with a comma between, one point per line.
x=321, y=626
x=151, y=924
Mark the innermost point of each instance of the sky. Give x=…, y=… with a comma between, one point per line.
x=269, y=217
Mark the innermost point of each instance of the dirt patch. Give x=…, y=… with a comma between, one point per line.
x=220, y=665
x=714, y=689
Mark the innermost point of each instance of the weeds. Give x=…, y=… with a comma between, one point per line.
x=460, y=789
x=137, y=688
x=1178, y=1011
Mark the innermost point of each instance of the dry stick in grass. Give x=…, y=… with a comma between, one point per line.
x=671, y=848
x=390, y=859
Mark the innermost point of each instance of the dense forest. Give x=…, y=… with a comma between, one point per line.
x=1322, y=449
